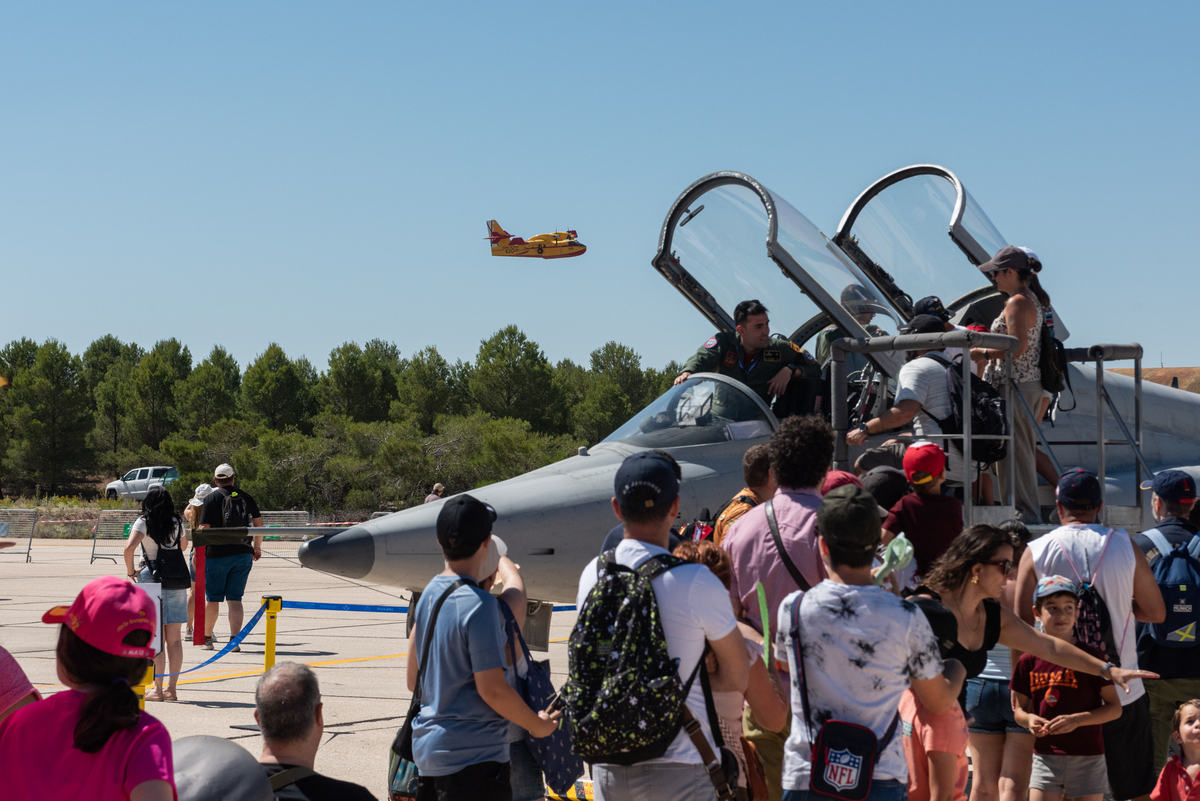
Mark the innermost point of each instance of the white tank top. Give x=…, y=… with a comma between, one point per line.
x=1084, y=544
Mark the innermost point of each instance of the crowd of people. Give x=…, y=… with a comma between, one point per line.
x=838, y=634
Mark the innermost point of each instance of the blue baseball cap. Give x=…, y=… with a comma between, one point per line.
x=1173, y=485
x=646, y=480
x=1053, y=585
x=1079, y=490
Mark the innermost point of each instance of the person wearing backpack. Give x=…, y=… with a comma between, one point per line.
x=628, y=693
x=1172, y=549
x=922, y=398
x=852, y=650
x=159, y=535
x=227, y=567
x=1116, y=590
x=760, y=485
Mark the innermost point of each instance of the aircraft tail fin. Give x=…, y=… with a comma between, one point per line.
x=496, y=234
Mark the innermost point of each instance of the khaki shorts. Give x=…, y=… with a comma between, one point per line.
x=1069, y=776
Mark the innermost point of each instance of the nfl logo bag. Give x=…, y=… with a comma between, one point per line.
x=844, y=754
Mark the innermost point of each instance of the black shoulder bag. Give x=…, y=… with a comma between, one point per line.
x=843, y=754
x=170, y=569
x=787, y=560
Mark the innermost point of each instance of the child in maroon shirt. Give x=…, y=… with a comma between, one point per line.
x=1063, y=709
x=928, y=518
x=1177, y=782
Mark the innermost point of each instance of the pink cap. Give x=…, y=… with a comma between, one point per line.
x=838, y=478
x=14, y=684
x=105, y=612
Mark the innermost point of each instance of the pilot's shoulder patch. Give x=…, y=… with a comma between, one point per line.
x=796, y=347
x=711, y=343
x=730, y=359
x=771, y=356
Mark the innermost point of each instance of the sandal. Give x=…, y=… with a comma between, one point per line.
x=154, y=695
x=170, y=695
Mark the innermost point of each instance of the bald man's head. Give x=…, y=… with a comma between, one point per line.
x=287, y=698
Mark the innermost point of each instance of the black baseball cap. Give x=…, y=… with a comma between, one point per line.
x=645, y=480
x=887, y=484
x=848, y=518
x=1175, y=486
x=464, y=521
x=932, y=306
x=1079, y=490
x=1006, y=258
x=925, y=324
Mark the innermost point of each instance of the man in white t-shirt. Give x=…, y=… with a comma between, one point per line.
x=922, y=398
x=863, y=647
x=1088, y=553
x=693, y=606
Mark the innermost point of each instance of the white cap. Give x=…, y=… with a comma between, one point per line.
x=202, y=492
x=224, y=471
x=492, y=563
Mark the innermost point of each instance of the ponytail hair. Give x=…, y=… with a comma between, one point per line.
x=113, y=706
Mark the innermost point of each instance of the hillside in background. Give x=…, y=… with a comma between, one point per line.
x=1189, y=377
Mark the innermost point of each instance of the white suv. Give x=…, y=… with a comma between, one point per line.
x=136, y=483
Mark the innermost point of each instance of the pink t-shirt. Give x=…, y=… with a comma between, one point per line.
x=39, y=761
x=753, y=556
x=923, y=732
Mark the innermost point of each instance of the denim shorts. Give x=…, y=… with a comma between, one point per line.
x=225, y=577
x=989, y=706
x=525, y=774
x=174, y=602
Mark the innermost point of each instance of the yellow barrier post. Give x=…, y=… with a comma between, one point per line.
x=140, y=688
x=274, y=604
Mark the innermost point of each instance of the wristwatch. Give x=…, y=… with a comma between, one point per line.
x=1108, y=666
x=863, y=428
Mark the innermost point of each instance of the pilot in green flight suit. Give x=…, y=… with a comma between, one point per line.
x=751, y=356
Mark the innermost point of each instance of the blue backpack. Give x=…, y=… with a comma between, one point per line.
x=1177, y=571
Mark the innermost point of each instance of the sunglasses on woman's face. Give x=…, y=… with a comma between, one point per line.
x=1007, y=565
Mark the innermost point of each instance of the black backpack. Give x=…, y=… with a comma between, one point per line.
x=987, y=414
x=1093, y=624
x=235, y=513
x=1052, y=363
x=623, y=699
x=170, y=569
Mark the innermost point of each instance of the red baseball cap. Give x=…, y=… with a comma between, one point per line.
x=838, y=478
x=923, y=457
x=104, y=613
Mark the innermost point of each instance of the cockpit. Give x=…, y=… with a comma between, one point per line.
x=706, y=408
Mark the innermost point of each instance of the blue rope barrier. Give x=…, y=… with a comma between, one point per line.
x=565, y=608
x=236, y=641
x=343, y=607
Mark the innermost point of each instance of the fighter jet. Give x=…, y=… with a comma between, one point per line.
x=891, y=246
x=558, y=245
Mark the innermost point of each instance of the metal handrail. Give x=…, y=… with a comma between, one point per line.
x=965, y=339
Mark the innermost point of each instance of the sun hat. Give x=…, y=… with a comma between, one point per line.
x=104, y=613
x=495, y=553
x=202, y=492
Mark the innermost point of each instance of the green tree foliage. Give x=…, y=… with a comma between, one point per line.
x=103, y=354
x=513, y=379
x=603, y=409
x=16, y=356
x=50, y=422
x=360, y=382
x=152, y=414
x=111, y=435
x=204, y=397
x=228, y=366
x=278, y=390
x=623, y=366
x=424, y=389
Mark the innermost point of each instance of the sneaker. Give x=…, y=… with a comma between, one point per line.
x=208, y=644
x=187, y=634
x=237, y=649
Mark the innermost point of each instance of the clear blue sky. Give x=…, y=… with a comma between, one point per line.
x=314, y=173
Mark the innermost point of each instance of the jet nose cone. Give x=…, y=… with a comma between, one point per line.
x=349, y=553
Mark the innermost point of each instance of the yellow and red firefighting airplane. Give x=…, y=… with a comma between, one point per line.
x=558, y=245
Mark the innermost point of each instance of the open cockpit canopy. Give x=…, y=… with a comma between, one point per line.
x=711, y=250
x=705, y=409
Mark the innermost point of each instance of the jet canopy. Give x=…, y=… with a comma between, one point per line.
x=712, y=250
x=704, y=409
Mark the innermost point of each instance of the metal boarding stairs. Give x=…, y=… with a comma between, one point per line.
x=1127, y=517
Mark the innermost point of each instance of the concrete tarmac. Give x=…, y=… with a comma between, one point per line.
x=358, y=657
